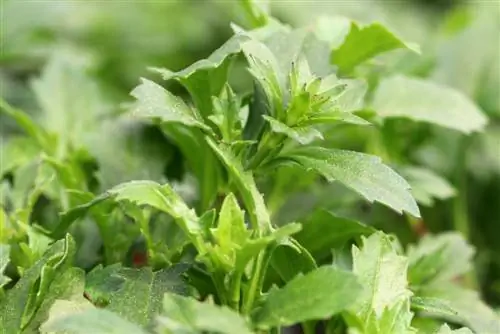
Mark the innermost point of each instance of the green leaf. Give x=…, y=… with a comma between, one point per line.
x=425, y=101
x=129, y=154
x=63, y=308
x=303, y=135
x=363, y=173
x=290, y=259
x=21, y=302
x=304, y=298
x=363, y=43
x=382, y=272
x=155, y=102
x=28, y=125
x=470, y=310
x=445, y=329
x=140, y=298
x=101, y=283
x=246, y=186
x=207, y=77
x=4, y=261
x=434, y=306
x=16, y=152
x=427, y=185
x=91, y=320
x=70, y=100
x=324, y=231
x=161, y=197
x=187, y=315
x=439, y=258
x=66, y=284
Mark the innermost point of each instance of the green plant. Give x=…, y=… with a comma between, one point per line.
x=225, y=260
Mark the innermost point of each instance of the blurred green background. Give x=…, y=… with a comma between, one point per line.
x=115, y=41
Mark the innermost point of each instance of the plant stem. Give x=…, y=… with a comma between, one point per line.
x=218, y=281
x=309, y=327
x=249, y=297
x=235, y=290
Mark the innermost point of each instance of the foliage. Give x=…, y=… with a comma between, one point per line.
x=240, y=195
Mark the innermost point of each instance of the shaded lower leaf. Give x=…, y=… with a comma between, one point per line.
x=304, y=298
x=140, y=298
x=324, y=231
x=91, y=320
x=187, y=315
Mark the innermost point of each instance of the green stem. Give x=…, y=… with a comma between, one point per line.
x=253, y=289
x=218, y=280
x=235, y=290
x=309, y=327
x=460, y=204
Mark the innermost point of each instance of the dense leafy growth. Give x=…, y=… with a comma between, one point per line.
x=300, y=175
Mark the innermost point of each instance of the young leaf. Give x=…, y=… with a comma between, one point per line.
x=425, y=101
x=383, y=274
x=363, y=173
x=207, y=77
x=155, y=102
x=439, y=258
x=427, y=185
x=303, y=135
x=187, y=315
x=16, y=152
x=363, y=43
x=91, y=320
x=140, y=298
x=324, y=231
x=304, y=298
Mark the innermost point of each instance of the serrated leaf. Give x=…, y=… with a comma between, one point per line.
x=425, y=101
x=383, y=274
x=304, y=298
x=91, y=320
x=140, y=298
x=363, y=43
x=246, y=185
x=4, y=261
x=363, y=173
x=20, y=302
x=445, y=329
x=207, y=77
x=324, y=231
x=187, y=315
x=155, y=102
x=439, y=258
x=161, y=197
x=303, y=135
x=427, y=185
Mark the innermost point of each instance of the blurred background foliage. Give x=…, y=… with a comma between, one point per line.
x=112, y=43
